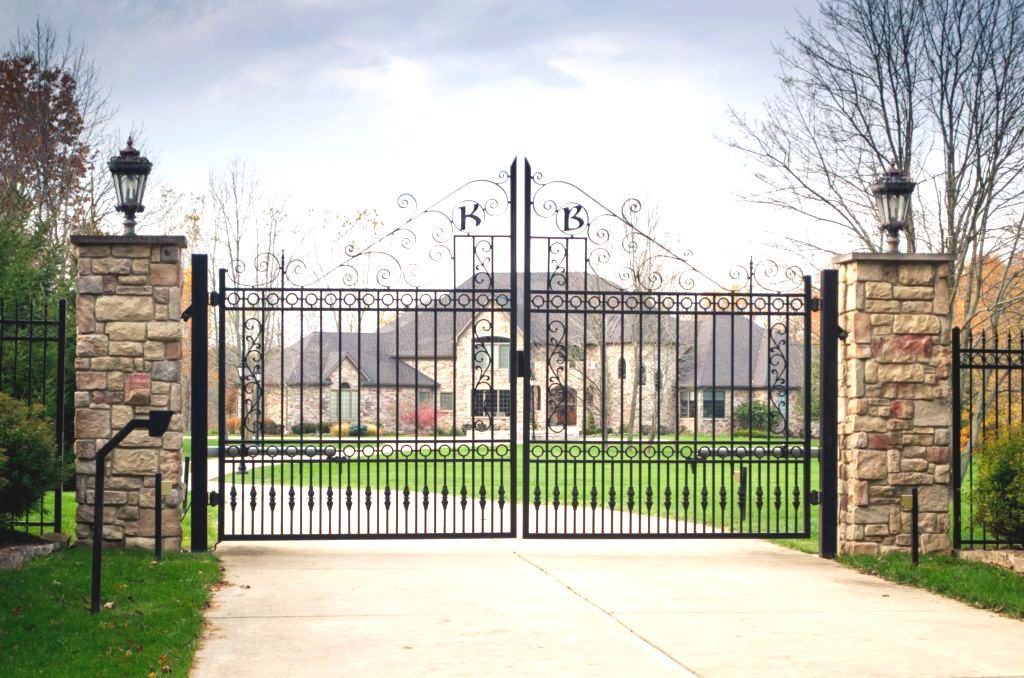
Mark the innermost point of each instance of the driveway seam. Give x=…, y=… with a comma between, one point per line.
x=608, y=614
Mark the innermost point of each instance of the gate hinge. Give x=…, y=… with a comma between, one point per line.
x=815, y=304
x=214, y=499
x=215, y=298
x=841, y=333
x=814, y=498
x=186, y=315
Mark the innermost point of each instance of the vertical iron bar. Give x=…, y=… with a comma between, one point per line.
x=528, y=413
x=808, y=300
x=829, y=393
x=200, y=390
x=159, y=508
x=957, y=518
x=518, y=399
x=59, y=415
x=914, y=529
x=221, y=409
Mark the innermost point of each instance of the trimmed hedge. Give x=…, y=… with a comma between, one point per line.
x=999, y=489
x=28, y=464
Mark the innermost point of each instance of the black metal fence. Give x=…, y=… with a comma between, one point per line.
x=988, y=401
x=33, y=368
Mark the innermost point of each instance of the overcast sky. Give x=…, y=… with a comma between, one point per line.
x=345, y=105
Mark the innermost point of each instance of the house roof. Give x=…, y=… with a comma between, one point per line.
x=726, y=349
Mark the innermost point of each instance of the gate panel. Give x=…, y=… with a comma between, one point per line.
x=657, y=411
x=378, y=399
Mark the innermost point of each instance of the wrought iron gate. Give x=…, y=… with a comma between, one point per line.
x=382, y=406
x=657, y=411
x=429, y=382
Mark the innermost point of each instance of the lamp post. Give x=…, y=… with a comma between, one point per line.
x=892, y=205
x=129, y=169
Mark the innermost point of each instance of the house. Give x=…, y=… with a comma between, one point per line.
x=433, y=369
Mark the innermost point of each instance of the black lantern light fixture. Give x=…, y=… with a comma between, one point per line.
x=892, y=205
x=130, y=170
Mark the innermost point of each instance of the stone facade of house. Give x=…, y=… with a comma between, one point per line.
x=568, y=394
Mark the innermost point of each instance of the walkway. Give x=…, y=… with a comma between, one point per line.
x=582, y=608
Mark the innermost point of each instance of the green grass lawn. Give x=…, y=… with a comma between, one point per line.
x=153, y=626
x=977, y=584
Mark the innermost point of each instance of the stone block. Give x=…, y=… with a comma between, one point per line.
x=91, y=345
x=904, y=292
x=92, y=423
x=878, y=290
x=126, y=331
x=899, y=372
x=916, y=324
x=167, y=370
x=114, y=265
x=164, y=331
x=932, y=413
x=860, y=548
x=137, y=388
x=135, y=461
x=934, y=498
x=124, y=308
x=916, y=274
x=90, y=381
x=164, y=274
x=125, y=348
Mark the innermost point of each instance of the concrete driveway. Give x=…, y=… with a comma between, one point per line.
x=582, y=608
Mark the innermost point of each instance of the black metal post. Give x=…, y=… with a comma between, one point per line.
x=200, y=391
x=159, y=505
x=957, y=480
x=158, y=422
x=59, y=414
x=828, y=464
x=914, y=530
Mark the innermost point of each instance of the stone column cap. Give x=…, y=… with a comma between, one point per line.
x=899, y=258
x=158, y=240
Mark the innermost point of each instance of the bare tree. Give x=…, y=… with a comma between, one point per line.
x=935, y=87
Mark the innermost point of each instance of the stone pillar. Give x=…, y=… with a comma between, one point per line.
x=894, y=400
x=128, y=359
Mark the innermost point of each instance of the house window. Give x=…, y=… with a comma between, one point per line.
x=447, y=400
x=488, y=402
x=424, y=397
x=344, y=402
x=714, y=403
x=484, y=352
x=687, y=404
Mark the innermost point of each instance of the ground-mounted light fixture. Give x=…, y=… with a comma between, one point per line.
x=892, y=205
x=130, y=170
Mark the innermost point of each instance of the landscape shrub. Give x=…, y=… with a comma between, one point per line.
x=310, y=427
x=999, y=490
x=754, y=415
x=423, y=419
x=28, y=465
x=234, y=424
x=756, y=434
x=342, y=429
